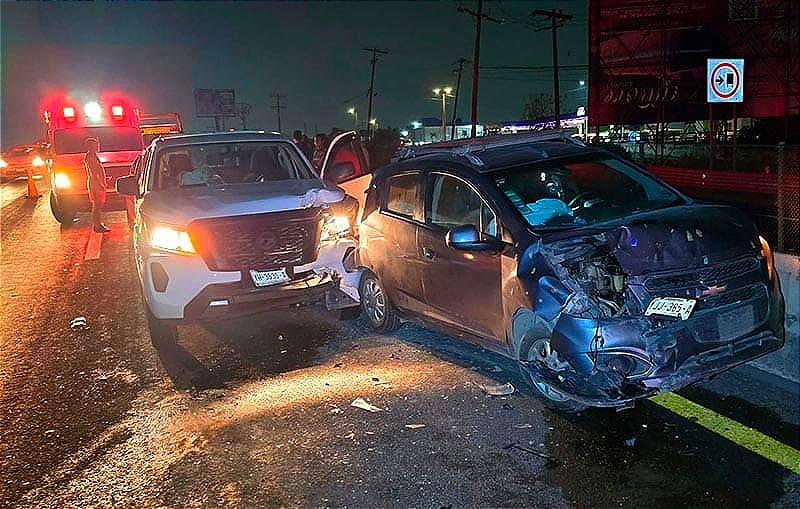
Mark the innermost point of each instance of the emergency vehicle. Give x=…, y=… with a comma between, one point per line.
x=154, y=125
x=115, y=123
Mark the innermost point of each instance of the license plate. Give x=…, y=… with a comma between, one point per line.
x=269, y=277
x=671, y=306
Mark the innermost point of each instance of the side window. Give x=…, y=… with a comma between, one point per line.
x=452, y=202
x=402, y=194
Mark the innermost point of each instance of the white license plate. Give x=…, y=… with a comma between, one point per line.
x=269, y=277
x=671, y=306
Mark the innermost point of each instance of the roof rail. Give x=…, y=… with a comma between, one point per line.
x=467, y=146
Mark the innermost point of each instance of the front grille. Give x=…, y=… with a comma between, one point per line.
x=708, y=276
x=730, y=297
x=260, y=242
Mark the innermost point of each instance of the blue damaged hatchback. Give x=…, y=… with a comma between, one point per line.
x=605, y=284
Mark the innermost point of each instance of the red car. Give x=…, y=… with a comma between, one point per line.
x=17, y=160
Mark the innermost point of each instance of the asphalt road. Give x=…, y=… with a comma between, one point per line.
x=257, y=412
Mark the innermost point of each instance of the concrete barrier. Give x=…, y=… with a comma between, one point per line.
x=786, y=361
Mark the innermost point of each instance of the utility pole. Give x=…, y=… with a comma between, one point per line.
x=557, y=20
x=375, y=53
x=479, y=16
x=242, y=110
x=460, y=62
x=277, y=107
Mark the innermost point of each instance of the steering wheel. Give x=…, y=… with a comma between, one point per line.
x=577, y=197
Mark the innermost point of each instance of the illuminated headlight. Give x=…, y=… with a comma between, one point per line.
x=171, y=239
x=3, y=164
x=335, y=227
x=766, y=253
x=38, y=161
x=61, y=180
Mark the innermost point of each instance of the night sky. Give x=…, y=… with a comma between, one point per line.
x=309, y=51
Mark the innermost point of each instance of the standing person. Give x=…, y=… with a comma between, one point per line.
x=96, y=183
x=320, y=146
x=303, y=143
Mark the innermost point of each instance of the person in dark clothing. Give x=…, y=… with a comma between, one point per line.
x=303, y=143
x=320, y=147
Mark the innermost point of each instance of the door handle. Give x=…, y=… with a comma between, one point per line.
x=427, y=253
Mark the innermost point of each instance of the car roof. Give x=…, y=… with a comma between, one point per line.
x=221, y=137
x=492, y=153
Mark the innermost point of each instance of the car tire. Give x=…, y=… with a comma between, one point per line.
x=162, y=332
x=63, y=215
x=376, y=305
x=536, y=349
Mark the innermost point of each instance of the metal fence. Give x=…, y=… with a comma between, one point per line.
x=765, y=181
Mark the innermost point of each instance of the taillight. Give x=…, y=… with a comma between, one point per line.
x=117, y=111
x=69, y=113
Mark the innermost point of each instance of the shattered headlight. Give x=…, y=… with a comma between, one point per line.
x=766, y=253
x=335, y=227
x=171, y=239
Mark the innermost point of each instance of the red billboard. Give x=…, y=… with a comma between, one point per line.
x=647, y=59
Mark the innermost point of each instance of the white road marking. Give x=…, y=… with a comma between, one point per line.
x=93, y=246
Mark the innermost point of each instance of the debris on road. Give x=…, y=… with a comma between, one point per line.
x=415, y=426
x=362, y=404
x=78, y=323
x=498, y=390
x=523, y=426
x=630, y=442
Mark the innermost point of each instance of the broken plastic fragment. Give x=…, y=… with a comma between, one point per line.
x=362, y=404
x=498, y=390
x=415, y=426
x=78, y=323
x=630, y=442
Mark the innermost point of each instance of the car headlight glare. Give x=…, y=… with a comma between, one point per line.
x=766, y=253
x=61, y=180
x=335, y=227
x=38, y=161
x=171, y=239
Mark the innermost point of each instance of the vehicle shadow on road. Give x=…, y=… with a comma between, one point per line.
x=185, y=371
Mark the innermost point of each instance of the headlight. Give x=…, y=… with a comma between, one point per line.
x=334, y=227
x=3, y=164
x=766, y=252
x=38, y=161
x=170, y=239
x=61, y=180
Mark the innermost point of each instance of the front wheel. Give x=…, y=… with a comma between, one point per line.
x=63, y=214
x=376, y=305
x=538, y=352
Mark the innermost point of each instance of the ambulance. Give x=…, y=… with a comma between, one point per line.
x=114, y=122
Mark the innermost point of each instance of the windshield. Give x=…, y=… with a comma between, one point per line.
x=582, y=192
x=112, y=139
x=229, y=163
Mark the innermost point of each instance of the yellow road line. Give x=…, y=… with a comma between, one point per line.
x=753, y=440
x=93, y=246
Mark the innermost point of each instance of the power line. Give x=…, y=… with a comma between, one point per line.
x=277, y=107
x=375, y=53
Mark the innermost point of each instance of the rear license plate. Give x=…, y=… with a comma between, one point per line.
x=736, y=322
x=671, y=306
x=269, y=277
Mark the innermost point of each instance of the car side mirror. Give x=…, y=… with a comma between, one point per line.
x=128, y=185
x=340, y=171
x=468, y=238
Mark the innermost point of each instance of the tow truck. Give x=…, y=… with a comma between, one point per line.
x=154, y=125
x=114, y=121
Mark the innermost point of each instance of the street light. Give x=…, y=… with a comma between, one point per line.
x=374, y=123
x=445, y=92
x=353, y=112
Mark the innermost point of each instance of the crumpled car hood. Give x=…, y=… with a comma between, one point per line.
x=179, y=207
x=681, y=237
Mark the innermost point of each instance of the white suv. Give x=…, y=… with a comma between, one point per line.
x=235, y=223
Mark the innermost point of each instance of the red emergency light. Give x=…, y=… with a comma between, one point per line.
x=117, y=111
x=69, y=113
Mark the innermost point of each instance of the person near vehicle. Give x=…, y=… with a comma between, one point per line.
x=303, y=143
x=96, y=183
x=320, y=147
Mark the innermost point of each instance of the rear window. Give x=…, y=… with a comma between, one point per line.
x=217, y=164
x=112, y=139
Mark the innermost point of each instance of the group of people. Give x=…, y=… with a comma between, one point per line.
x=313, y=150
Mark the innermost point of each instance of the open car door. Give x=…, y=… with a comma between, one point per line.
x=346, y=165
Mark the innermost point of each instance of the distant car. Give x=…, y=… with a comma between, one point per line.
x=19, y=159
x=603, y=282
x=237, y=223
